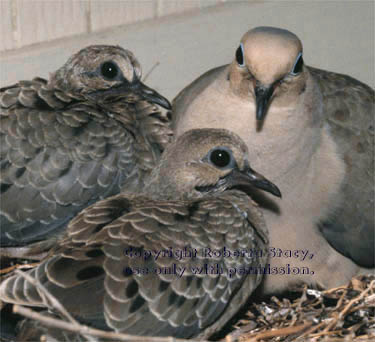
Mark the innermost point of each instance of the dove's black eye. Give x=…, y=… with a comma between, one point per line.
x=109, y=70
x=239, y=56
x=220, y=158
x=297, y=65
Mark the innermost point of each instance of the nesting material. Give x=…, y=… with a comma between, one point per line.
x=339, y=314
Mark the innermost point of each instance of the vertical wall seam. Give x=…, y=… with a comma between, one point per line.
x=88, y=17
x=158, y=6
x=14, y=23
x=155, y=9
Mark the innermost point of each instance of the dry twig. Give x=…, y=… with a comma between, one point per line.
x=278, y=332
x=18, y=267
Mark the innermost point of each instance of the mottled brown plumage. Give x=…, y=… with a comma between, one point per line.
x=94, y=274
x=90, y=130
x=350, y=114
x=309, y=130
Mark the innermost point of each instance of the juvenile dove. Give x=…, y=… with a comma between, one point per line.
x=89, y=130
x=120, y=268
x=312, y=132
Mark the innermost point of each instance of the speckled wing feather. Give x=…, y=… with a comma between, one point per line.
x=350, y=114
x=94, y=261
x=60, y=153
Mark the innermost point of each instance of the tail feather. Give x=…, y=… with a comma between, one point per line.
x=17, y=290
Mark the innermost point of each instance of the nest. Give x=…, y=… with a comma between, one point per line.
x=340, y=314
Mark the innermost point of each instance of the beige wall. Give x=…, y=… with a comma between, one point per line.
x=337, y=36
x=26, y=22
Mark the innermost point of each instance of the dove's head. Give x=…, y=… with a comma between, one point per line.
x=104, y=71
x=268, y=64
x=205, y=161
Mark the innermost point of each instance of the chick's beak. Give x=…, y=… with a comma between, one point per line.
x=151, y=95
x=250, y=177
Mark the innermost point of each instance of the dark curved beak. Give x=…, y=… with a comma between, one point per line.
x=151, y=95
x=251, y=177
x=263, y=95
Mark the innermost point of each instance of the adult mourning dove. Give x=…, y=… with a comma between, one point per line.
x=89, y=130
x=312, y=132
x=155, y=263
